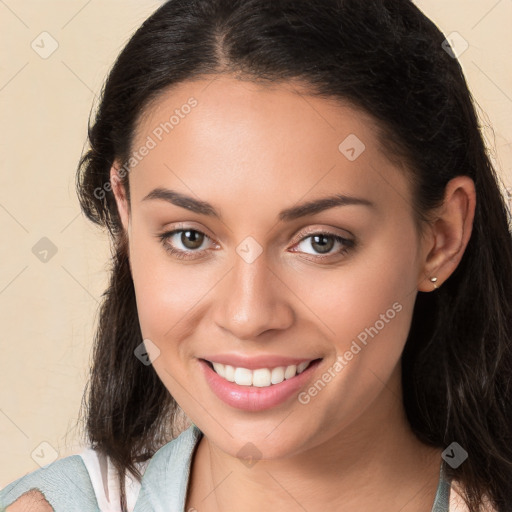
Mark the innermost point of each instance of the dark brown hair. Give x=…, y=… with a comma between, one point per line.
x=386, y=58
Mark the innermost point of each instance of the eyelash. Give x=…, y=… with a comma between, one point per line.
x=190, y=254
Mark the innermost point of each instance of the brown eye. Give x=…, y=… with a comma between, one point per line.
x=322, y=243
x=192, y=239
x=185, y=243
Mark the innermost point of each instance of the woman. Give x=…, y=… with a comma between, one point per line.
x=312, y=269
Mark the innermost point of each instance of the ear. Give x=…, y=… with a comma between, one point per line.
x=448, y=233
x=120, y=194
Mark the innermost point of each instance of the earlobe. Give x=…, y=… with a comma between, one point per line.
x=451, y=231
x=120, y=196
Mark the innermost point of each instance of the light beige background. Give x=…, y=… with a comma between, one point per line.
x=48, y=311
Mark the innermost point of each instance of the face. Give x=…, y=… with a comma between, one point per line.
x=243, y=272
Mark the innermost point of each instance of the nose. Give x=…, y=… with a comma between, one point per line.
x=252, y=299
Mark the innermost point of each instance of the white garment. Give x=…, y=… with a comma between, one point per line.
x=105, y=481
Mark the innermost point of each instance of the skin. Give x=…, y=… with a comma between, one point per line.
x=252, y=150
x=29, y=502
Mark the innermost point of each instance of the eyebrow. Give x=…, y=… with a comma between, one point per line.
x=288, y=214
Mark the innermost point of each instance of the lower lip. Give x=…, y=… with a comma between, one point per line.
x=252, y=398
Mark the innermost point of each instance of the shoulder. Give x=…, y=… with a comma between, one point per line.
x=33, y=501
x=62, y=485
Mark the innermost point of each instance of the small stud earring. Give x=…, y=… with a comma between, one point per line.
x=434, y=280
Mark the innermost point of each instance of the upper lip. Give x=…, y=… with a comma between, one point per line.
x=255, y=362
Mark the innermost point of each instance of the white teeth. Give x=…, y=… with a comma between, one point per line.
x=290, y=371
x=230, y=372
x=302, y=366
x=243, y=377
x=277, y=375
x=262, y=377
x=220, y=369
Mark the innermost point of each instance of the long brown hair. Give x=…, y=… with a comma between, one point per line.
x=385, y=57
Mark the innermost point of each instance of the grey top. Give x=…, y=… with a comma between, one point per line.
x=67, y=486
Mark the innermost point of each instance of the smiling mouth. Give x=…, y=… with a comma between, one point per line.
x=261, y=377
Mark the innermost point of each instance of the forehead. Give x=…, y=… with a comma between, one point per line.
x=225, y=105
x=241, y=137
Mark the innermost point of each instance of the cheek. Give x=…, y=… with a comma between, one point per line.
x=365, y=311
x=369, y=300
x=166, y=292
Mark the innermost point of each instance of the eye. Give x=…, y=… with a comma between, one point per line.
x=192, y=239
x=189, y=239
x=323, y=243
